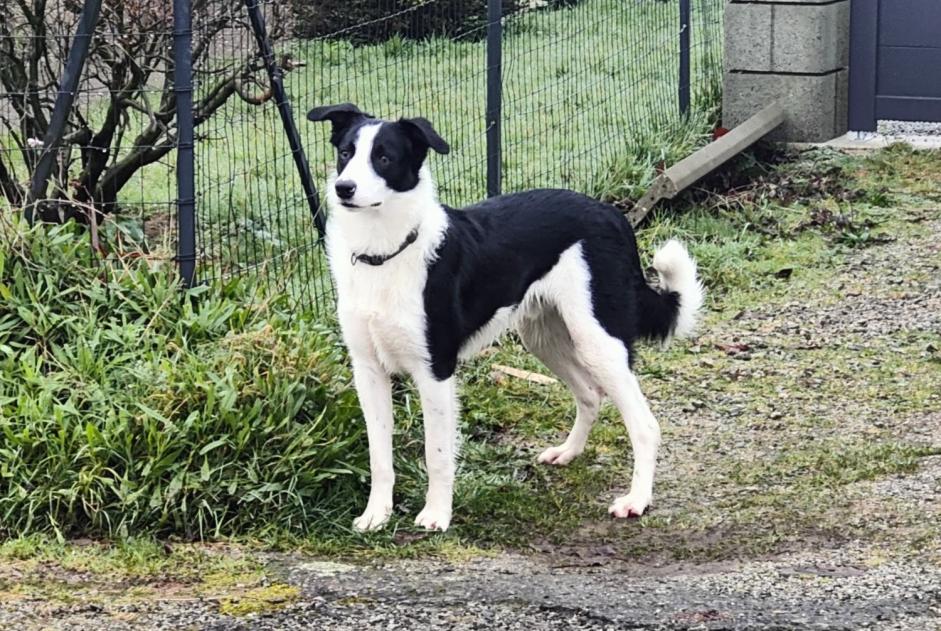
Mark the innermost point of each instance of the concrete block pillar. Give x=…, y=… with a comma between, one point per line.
x=795, y=51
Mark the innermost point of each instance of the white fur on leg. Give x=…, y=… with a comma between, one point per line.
x=434, y=518
x=644, y=432
x=605, y=358
x=375, y=396
x=561, y=455
x=439, y=409
x=544, y=333
x=588, y=402
x=374, y=517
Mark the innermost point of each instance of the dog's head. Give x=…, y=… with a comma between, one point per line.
x=376, y=160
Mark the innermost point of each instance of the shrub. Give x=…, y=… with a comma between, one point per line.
x=370, y=22
x=128, y=407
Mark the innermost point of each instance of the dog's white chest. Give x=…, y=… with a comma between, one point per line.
x=396, y=325
x=382, y=307
x=386, y=306
x=399, y=344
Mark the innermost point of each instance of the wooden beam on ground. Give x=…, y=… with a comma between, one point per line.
x=688, y=170
x=500, y=371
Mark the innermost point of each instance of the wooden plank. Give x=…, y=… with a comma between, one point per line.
x=662, y=187
x=689, y=170
x=533, y=377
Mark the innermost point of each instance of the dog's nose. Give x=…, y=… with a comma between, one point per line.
x=345, y=189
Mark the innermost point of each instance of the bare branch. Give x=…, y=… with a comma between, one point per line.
x=129, y=58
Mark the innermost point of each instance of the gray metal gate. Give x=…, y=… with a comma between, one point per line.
x=895, y=62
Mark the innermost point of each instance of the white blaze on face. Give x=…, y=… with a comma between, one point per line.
x=371, y=189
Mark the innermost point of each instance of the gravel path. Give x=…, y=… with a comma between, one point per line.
x=901, y=129
x=827, y=589
x=833, y=589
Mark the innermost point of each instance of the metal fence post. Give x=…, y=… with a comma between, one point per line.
x=494, y=94
x=684, y=56
x=185, y=149
x=71, y=74
x=276, y=77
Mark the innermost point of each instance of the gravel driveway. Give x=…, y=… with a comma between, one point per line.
x=823, y=589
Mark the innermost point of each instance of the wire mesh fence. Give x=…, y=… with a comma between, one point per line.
x=529, y=93
x=253, y=215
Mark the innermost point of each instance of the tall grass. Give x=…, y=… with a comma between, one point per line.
x=128, y=407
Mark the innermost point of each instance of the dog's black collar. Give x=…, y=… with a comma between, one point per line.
x=379, y=259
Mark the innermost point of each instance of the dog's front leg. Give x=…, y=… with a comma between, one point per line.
x=374, y=388
x=440, y=411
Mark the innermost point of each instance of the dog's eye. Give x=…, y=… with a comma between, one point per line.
x=345, y=155
x=384, y=160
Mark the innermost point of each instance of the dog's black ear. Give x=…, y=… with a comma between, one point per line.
x=421, y=131
x=342, y=116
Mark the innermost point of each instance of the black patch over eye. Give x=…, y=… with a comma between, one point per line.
x=395, y=158
x=345, y=154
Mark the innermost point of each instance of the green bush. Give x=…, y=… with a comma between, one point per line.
x=128, y=407
x=370, y=22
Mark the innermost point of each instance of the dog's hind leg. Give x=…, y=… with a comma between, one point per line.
x=606, y=359
x=440, y=412
x=545, y=335
x=644, y=433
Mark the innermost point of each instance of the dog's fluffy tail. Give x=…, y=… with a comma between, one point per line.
x=673, y=309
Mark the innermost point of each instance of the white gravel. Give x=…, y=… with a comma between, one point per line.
x=907, y=128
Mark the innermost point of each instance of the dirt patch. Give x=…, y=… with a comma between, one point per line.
x=778, y=423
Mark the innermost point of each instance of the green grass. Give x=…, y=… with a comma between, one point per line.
x=576, y=96
x=127, y=407
x=128, y=559
x=136, y=570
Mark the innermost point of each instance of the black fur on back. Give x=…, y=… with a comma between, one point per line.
x=494, y=250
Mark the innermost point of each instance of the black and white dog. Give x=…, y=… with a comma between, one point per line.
x=421, y=285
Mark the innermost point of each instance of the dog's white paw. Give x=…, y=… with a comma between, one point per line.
x=434, y=518
x=630, y=505
x=374, y=518
x=560, y=456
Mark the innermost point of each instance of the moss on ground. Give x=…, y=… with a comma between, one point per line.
x=95, y=573
x=259, y=600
